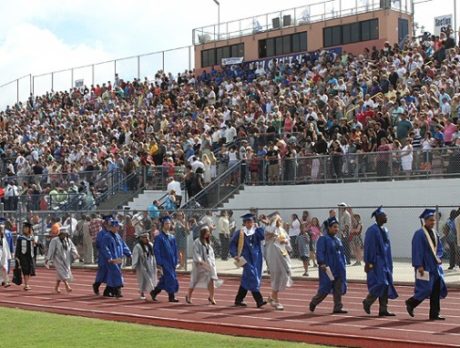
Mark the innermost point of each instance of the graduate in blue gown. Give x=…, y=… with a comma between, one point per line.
x=101, y=274
x=332, y=270
x=379, y=265
x=166, y=255
x=246, y=243
x=426, y=258
x=113, y=249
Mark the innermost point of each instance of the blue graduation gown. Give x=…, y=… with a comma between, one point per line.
x=113, y=247
x=101, y=274
x=423, y=256
x=165, y=250
x=252, y=252
x=330, y=252
x=377, y=251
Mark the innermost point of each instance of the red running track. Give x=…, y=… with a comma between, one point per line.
x=295, y=323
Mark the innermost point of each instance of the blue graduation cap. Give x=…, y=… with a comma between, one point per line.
x=165, y=218
x=114, y=222
x=332, y=221
x=378, y=211
x=248, y=217
x=427, y=213
x=107, y=218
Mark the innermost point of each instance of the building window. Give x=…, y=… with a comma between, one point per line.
x=286, y=44
x=214, y=56
x=350, y=33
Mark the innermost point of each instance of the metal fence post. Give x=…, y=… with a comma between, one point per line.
x=189, y=57
x=92, y=74
x=139, y=67
x=114, y=68
x=71, y=74
x=163, y=60
x=52, y=81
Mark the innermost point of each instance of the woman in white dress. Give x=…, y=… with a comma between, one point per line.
x=407, y=157
x=204, y=272
x=277, y=248
x=144, y=265
x=207, y=169
x=5, y=257
x=62, y=252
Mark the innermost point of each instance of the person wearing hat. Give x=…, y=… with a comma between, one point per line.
x=25, y=252
x=204, y=272
x=378, y=265
x=245, y=248
x=427, y=251
x=61, y=252
x=332, y=272
x=165, y=250
x=101, y=273
x=113, y=248
x=144, y=264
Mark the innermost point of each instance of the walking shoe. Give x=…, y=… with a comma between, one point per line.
x=240, y=304
x=409, y=309
x=95, y=289
x=366, y=307
x=261, y=304
x=340, y=311
x=312, y=307
x=279, y=307
x=437, y=318
x=386, y=314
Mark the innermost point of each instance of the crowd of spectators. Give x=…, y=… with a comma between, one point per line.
x=324, y=103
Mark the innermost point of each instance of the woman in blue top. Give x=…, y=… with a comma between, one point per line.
x=332, y=273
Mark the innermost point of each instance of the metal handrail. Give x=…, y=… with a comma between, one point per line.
x=216, y=35
x=194, y=201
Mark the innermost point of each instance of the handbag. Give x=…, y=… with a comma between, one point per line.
x=17, y=275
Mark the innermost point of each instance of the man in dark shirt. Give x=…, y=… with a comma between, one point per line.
x=273, y=163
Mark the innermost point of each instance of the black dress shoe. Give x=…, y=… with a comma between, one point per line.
x=96, y=289
x=367, y=307
x=261, y=304
x=409, y=309
x=312, y=307
x=438, y=317
x=174, y=300
x=386, y=314
x=240, y=304
x=340, y=311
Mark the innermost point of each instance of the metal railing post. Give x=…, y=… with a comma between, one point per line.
x=30, y=84
x=189, y=57
x=72, y=81
x=114, y=68
x=52, y=81
x=92, y=74
x=163, y=61
x=138, y=67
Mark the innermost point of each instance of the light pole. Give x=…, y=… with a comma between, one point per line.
x=218, y=18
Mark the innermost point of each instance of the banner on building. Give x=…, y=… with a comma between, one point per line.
x=232, y=60
x=442, y=23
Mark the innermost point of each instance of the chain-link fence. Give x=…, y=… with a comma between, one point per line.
x=308, y=222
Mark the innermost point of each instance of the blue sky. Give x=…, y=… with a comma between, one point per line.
x=46, y=35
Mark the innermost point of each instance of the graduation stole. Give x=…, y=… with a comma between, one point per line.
x=240, y=243
x=434, y=246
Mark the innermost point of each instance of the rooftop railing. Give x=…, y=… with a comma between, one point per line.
x=315, y=12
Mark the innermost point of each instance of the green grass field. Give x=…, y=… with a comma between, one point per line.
x=34, y=329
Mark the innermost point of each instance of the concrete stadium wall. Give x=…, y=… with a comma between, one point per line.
x=318, y=199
